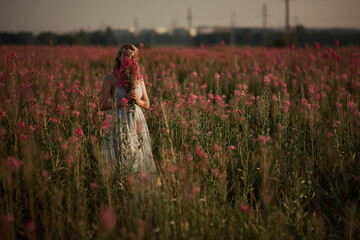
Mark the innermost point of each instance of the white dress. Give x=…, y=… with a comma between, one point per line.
x=128, y=140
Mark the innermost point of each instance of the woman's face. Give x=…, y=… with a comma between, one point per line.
x=128, y=53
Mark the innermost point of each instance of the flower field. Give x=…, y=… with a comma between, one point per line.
x=250, y=143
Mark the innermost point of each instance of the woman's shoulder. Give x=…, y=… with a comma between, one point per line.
x=109, y=76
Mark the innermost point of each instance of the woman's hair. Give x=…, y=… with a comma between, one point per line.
x=125, y=49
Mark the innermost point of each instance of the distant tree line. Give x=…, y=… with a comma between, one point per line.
x=244, y=36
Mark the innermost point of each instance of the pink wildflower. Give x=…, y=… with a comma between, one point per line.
x=2, y=113
x=196, y=190
x=215, y=172
x=194, y=74
x=79, y=132
x=30, y=226
x=165, y=131
x=263, y=138
x=124, y=102
x=274, y=98
x=9, y=218
x=203, y=86
x=95, y=186
x=107, y=218
x=231, y=147
x=266, y=80
x=244, y=208
x=13, y=163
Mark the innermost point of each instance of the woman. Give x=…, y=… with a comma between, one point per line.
x=128, y=139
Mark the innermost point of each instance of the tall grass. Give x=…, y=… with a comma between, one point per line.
x=250, y=143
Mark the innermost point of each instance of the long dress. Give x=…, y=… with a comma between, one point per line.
x=128, y=140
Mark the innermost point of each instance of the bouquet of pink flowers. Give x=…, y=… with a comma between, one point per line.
x=129, y=76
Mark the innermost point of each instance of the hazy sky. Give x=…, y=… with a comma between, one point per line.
x=72, y=15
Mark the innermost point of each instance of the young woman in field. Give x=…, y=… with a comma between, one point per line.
x=128, y=140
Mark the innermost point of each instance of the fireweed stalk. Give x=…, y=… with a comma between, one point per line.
x=128, y=76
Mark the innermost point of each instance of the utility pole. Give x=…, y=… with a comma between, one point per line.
x=265, y=24
x=152, y=36
x=189, y=20
x=136, y=29
x=287, y=28
x=174, y=26
x=232, y=29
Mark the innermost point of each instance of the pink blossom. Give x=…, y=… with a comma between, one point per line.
x=30, y=226
x=44, y=173
x=107, y=218
x=274, y=98
x=352, y=106
x=165, y=131
x=266, y=80
x=203, y=86
x=337, y=123
x=124, y=102
x=2, y=113
x=305, y=103
x=69, y=159
x=217, y=77
x=231, y=147
x=95, y=186
x=64, y=146
x=215, y=172
x=263, y=138
x=244, y=208
x=23, y=136
x=174, y=168
x=329, y=135
x=224, y=117
x=9, y=218
x=239, y=93
x=79, y=132
x=13, y=163
x=3, y=131
x=201, y=153
x=196, y=190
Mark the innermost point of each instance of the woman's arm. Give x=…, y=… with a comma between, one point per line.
x=144, y=101
x=104, y=104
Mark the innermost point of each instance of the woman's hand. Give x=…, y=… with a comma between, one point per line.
x=132, y=95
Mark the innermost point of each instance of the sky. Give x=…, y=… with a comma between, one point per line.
x=62, y=16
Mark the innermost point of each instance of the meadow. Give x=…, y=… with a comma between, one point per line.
x=250, y=143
